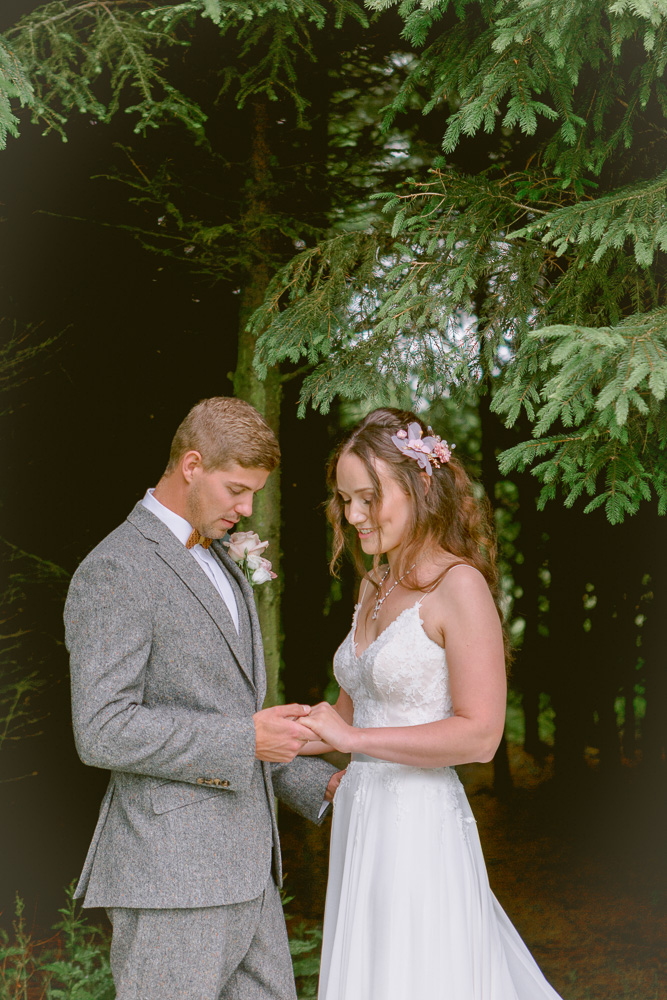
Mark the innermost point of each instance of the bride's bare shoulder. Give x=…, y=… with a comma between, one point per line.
x=435, y=568
x=459, y=595
x=450, y=573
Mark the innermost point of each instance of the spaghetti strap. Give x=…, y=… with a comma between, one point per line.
x=363, y=592
x=442, y=577
x=469, y=565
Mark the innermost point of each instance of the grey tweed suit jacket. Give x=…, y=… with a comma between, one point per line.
x=163, y=694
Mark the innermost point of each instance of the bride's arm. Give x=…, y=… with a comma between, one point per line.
x=466, y=614
x=345, y=710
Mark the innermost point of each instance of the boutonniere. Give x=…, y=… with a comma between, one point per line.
x=245, y=548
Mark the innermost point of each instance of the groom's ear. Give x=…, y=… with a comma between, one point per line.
x=190, y=462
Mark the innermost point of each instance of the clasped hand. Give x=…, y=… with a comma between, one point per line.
x=280, y=732
x=324, y=722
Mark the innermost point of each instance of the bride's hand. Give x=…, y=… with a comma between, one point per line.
x=326, y=723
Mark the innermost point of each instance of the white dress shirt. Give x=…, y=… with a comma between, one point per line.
x=183, y=529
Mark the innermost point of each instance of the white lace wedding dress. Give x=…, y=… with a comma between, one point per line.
x=409, y=911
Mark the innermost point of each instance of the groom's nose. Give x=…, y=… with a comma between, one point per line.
x=244, y=507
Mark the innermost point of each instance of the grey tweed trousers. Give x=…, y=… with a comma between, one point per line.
x=234, y=952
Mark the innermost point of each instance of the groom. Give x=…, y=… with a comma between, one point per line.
x=168, y=682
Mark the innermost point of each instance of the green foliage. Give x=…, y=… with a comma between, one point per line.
x=227, y=13
x=80, y=970
x=305, y=944
x=561, y=225
x=13, y=85
x=604, y=389
x=322, y=307
x=515, y=724
x=443, y=294
x=636, y=214
x=74, y=965
x=16, y=958
x=396, y=301
x=96, y=56
x=478, y=232
x=21, y=644
x=18, y=352
x=523, y=62
x=368, y=318
x=458, y=226
x=85, y=56
x=365, y=304
x=212, y=249
x=271, y=35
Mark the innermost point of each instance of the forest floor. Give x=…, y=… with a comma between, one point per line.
x=580, y=869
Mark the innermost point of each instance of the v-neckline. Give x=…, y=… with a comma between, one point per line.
x=411, y=607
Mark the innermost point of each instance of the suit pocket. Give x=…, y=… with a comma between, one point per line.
x=177, y=794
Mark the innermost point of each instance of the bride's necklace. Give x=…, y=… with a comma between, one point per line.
x=379, y=601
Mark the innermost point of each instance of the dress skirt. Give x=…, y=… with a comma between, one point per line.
x=409, y=913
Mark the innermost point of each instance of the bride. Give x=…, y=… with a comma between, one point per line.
x=409, y=911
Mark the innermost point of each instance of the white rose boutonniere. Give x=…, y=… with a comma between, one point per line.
x=245, y=548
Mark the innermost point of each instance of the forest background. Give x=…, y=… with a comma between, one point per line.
x=322, y=207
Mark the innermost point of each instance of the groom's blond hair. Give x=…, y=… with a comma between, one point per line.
x=226, y=431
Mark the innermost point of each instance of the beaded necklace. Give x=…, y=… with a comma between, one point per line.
x=380, y=601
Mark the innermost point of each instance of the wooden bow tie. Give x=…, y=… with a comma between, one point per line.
x=197, y=539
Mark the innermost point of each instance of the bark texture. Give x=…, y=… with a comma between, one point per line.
x=265, y=396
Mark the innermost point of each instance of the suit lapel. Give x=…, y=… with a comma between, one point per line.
x=177, y=557
x=257, y=649
x=245, y=627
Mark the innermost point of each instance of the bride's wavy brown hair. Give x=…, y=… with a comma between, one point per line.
x=447, y=516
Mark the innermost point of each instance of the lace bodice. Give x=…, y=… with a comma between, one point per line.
x=401, y=679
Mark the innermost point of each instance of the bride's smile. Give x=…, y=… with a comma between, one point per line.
x=380, y=512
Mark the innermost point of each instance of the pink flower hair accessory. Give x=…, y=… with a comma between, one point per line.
x=427, y=451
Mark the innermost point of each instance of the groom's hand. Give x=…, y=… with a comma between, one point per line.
x=332, y=787
x=278, y=734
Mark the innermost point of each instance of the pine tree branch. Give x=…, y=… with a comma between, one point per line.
x=610, y=384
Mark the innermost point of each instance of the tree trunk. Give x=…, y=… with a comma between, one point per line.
x=264, y=396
